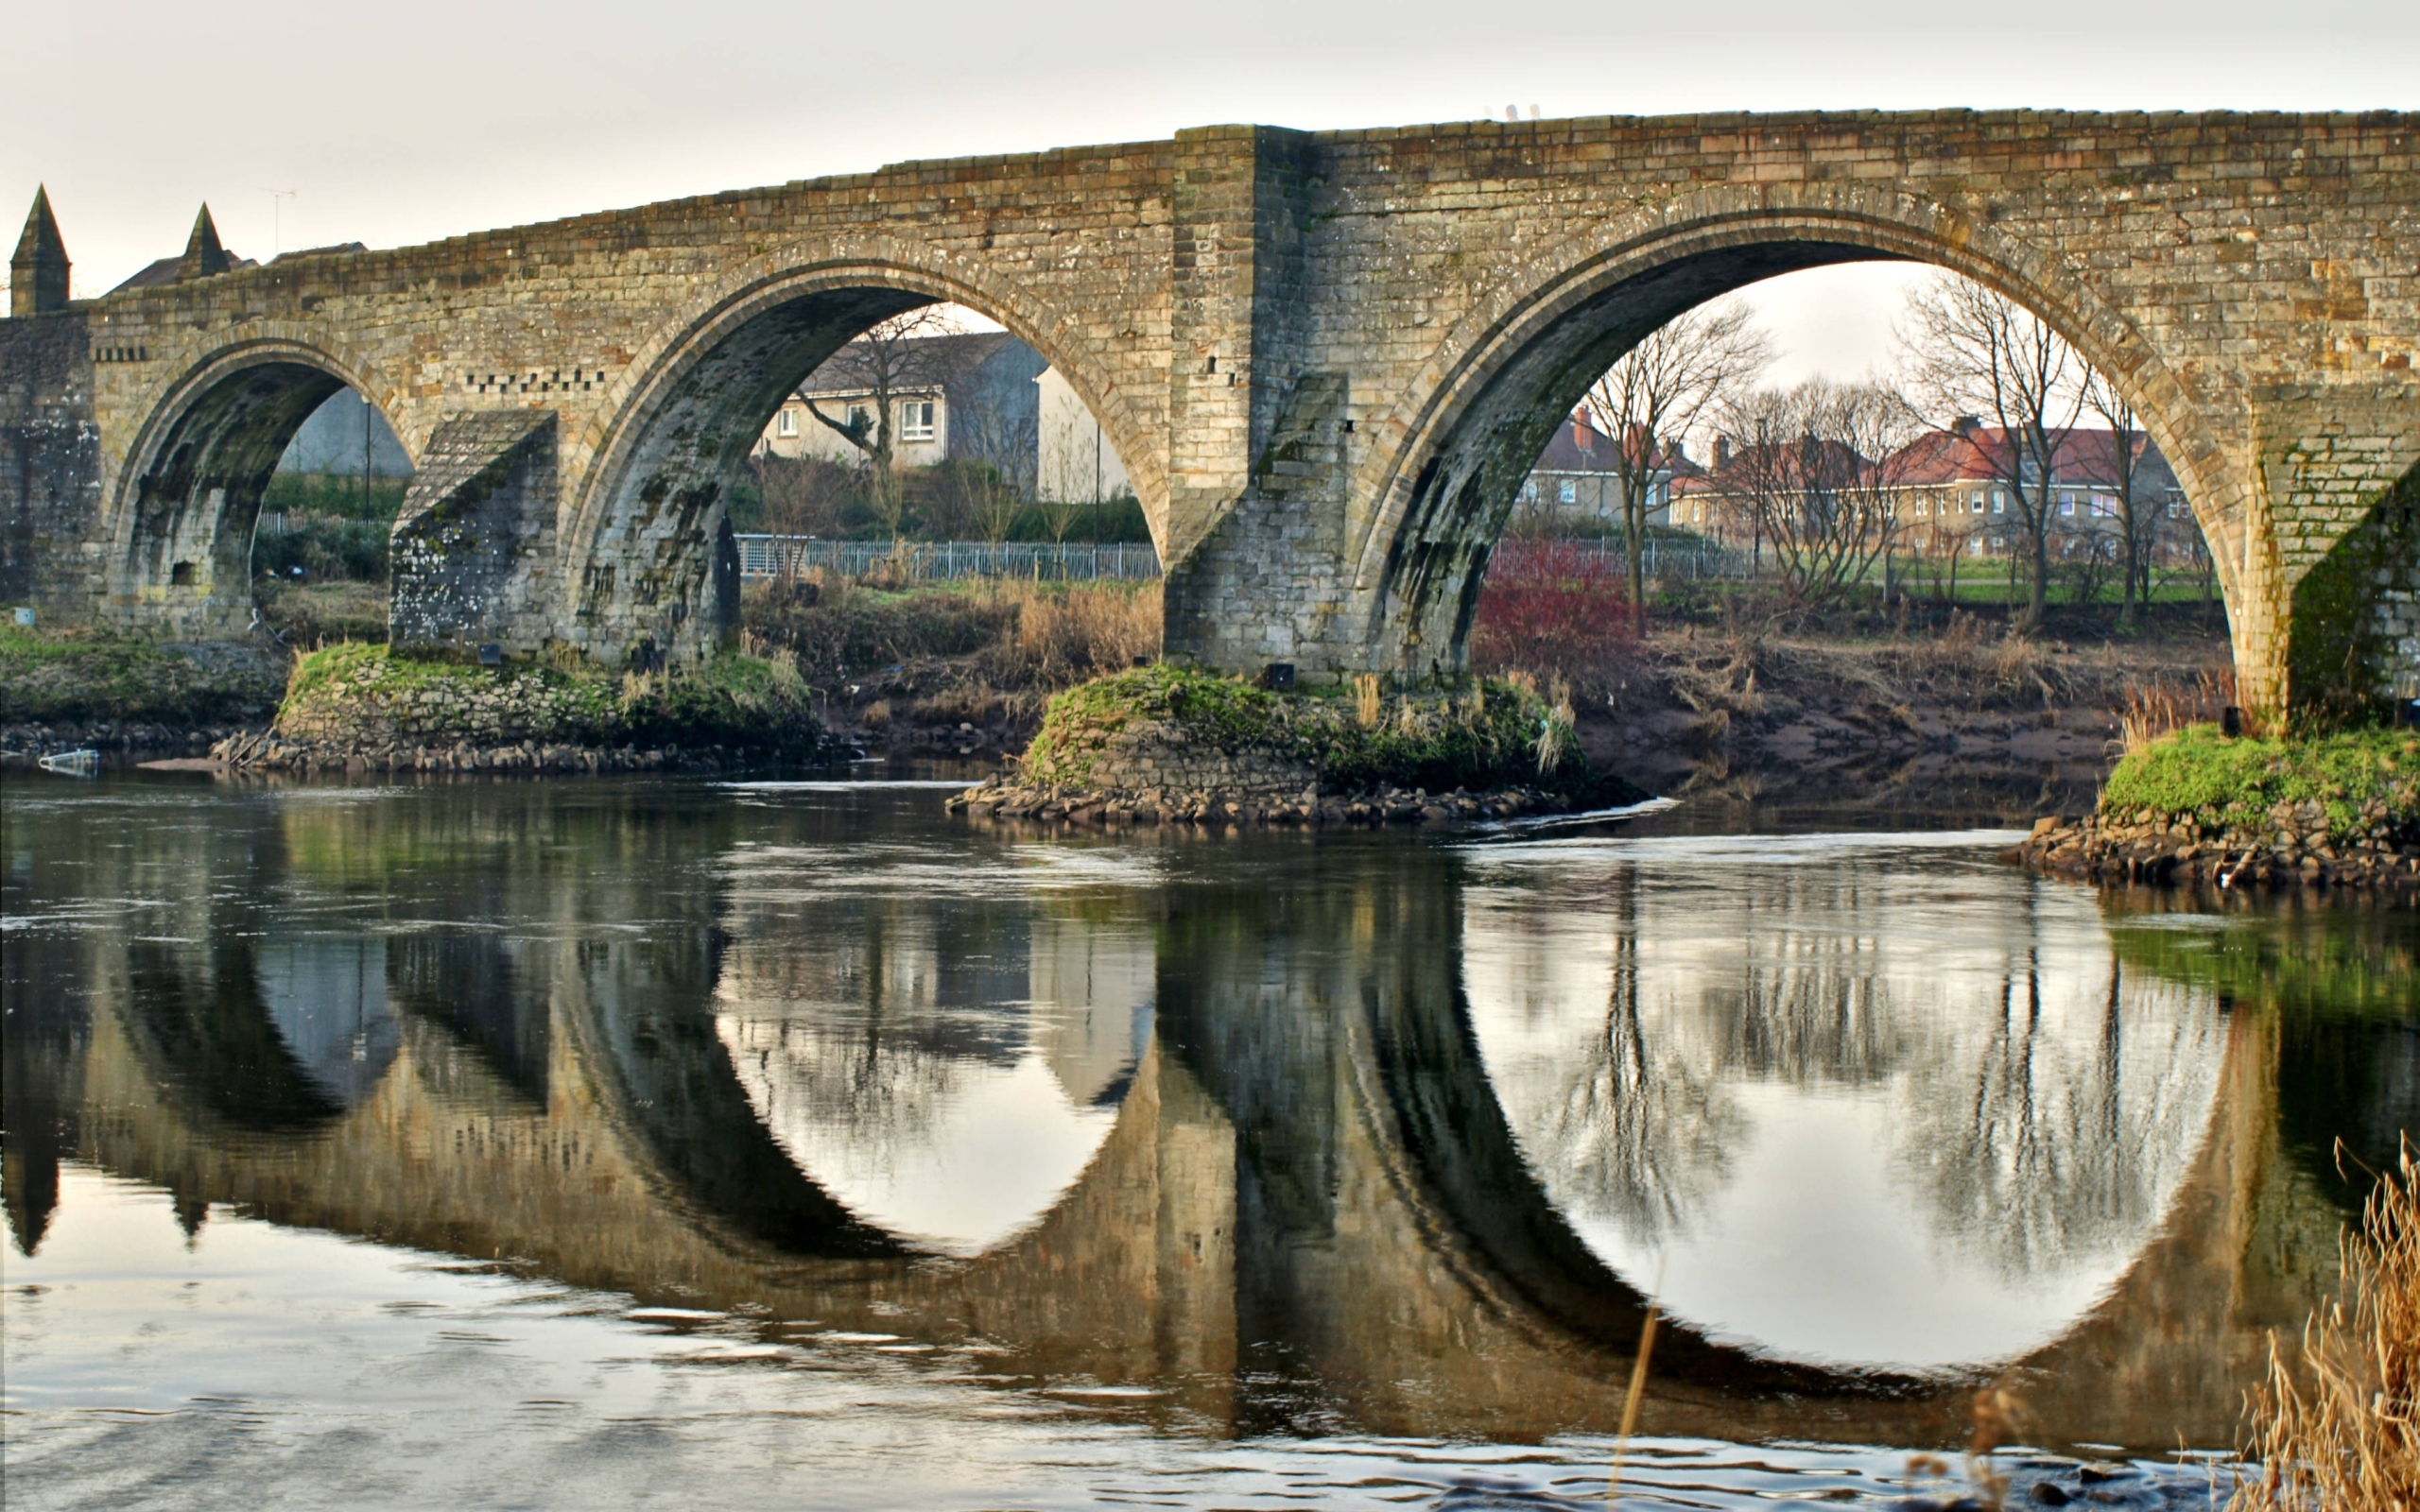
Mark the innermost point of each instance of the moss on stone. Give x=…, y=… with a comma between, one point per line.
x=361, y=694
x=2199, y=772
x=51, y=676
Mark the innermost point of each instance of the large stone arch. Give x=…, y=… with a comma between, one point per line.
x=640, y=551
x=1430, y=496
x=185, y=503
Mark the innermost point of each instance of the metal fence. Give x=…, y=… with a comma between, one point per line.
x=1660, y=557
x=937, y=560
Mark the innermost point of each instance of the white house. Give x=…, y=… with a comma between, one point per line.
x=1077, y=464
x=953, y=396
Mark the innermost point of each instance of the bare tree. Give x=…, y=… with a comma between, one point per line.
x=2134, y=521
x=994, y=446
x=1816, y=469
x=1663, y=387
x=896, y=359
x=1978, y=353
x=803, y=494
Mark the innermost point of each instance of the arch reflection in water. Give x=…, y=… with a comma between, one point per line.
x=327, y=996
x=945, y=1068
x=1845, y=1128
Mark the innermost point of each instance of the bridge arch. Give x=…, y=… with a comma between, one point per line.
x=643, y=561
x=1452, y=450
x=187, y=498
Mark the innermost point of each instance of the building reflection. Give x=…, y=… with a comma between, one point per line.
x=1298, y=1134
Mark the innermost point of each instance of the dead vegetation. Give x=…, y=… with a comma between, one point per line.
x=961, y=666
x=2338, y=1429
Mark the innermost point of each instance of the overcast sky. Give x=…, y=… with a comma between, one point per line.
x=404, y=123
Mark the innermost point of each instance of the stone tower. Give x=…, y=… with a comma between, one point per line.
x=38, y=272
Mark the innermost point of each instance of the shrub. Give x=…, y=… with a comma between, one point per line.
x=1552, y=607
x=325, y=547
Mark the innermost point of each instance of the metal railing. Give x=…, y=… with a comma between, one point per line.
x=1659, y=557
x=939, y=560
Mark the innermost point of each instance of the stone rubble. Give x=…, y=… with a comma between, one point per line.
x=266, y=750
x=2295, y=849
x=1009, y=800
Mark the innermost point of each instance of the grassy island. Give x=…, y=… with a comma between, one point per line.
x=358, y=698
x=1175, y=741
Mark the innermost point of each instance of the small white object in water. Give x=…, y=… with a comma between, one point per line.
x=85, y=763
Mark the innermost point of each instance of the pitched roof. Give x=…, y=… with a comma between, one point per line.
x=2078, y=456
x=935, y=362
x=1580, y=447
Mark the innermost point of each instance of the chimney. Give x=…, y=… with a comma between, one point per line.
x=1721, y=451
x=38, y=272
x=1583, y=435
x=203, y=256
x=1676, y=451
x=1964, y=426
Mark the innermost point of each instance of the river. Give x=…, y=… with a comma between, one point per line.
x=493, y=1143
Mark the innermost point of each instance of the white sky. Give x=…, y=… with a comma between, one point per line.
x=408, y=122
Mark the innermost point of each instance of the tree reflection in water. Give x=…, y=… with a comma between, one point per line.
x=1852, y=1134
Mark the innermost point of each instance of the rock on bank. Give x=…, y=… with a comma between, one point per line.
x=2332, y=811
x=1171, y=743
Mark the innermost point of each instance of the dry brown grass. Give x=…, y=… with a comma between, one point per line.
x=1369, y=700
x=1067, y=634
x=2338, y=1430
x=2161, y=707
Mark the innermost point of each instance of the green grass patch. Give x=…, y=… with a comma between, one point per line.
x=2199, y=771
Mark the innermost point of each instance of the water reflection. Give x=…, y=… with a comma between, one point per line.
x=947, y=1070
x=1358, y=1135
x=1857, y=1114
x=328, y=998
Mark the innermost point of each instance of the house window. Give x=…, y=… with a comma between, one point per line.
x=2066, y=504
x=1999, y=501
x=1568, y=493
x=916, y=421
x=861, y=419
x=785, y=423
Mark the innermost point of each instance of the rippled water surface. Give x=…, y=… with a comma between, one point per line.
x=602, y=1144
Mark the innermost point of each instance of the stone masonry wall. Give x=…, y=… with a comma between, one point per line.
x=1408, y=302
x=49, y=461
x=473, y=545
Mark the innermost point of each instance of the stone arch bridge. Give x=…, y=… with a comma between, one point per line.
x=1327, y=358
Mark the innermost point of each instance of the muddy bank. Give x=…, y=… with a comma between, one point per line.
x=1687, y=704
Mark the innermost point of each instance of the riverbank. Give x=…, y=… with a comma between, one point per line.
x=355, y=707
x=1170, y=743
x=66, y=689
x=2198, y=806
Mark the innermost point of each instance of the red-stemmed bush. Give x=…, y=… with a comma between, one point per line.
x=1552, y=607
